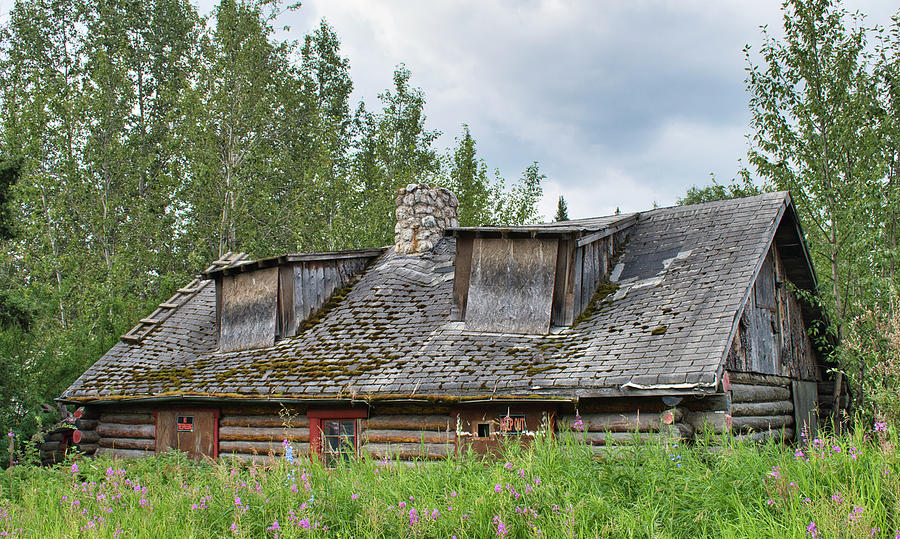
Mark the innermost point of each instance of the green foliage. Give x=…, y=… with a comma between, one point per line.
x=562, y=210
x=149, y=140
x=717, y=191
x=838, y=486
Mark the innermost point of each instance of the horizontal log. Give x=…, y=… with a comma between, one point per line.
x=260, y=409
x=130, y=419
x=51, y=446
x=677, y=431
x=123, y=453
x=57, y=436
x=263, y=434
x=264, y=421
x=784, y=435
x=739, y=409
x=751, y=378
x=408, y=450
x=628, y=422
x=128, y=443
x=408, y=436
x=88, y=449
x=411, y=422
x=716, y=421
x=262, y=460
x=760, y=423
x=754, y=393
x=86, y=424
x=253, y=448
x=86, y=413
x=85, y=436
x=116, y=430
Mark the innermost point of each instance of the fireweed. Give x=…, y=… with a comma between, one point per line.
x=845, y=486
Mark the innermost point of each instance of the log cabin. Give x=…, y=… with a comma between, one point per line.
x=658, y=323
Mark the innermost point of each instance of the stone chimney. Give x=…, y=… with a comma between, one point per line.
x=422, y=215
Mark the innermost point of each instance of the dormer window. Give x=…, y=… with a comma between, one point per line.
x=527, y=279
x=261, y=302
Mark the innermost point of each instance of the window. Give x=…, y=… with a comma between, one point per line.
x=484, y=430
x=334, y=433
x=338, y=440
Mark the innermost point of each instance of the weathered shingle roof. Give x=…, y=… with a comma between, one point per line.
x=682, y=280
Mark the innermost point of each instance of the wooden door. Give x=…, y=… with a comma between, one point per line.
x=193, y=431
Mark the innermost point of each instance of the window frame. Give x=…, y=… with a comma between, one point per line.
x=316, y=434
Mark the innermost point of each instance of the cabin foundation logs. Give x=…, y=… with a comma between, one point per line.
x=605, y=428
x=761, y=407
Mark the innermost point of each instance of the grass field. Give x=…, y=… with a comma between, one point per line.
x=844, y=487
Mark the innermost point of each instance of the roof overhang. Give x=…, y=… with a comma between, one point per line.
x=293, y=258
x=584, y=230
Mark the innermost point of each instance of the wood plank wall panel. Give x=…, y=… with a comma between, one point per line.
x=511, y=287
x=248, y=310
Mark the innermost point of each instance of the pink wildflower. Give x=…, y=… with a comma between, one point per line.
x=812, y=531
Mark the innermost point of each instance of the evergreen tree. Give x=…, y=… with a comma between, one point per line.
x=562, y=210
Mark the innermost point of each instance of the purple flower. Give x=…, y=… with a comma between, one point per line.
x=274, y=526
x=452, y=493
x=497, y=488
x=401, y=505
x=501, y=527
x=354, y=496
x=74, y=467
x=413, y=517
x=435, y=514
x=10, y=434
x=880, y=426
x=578, y=424
x=811, y=530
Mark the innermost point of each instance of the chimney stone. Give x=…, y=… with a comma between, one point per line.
x=423, y=213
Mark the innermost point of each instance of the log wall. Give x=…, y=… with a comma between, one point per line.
x=86, y=437
x=762, y=407
x=607, y=422
x=126, y=433
x=255, y=434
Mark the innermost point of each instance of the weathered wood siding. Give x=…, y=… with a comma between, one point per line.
x=313, y=283
x=248, y=316
x=511, y=287
x=772, y=336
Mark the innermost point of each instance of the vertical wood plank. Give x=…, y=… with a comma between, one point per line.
x=558, y=316
x=569, y=308
x=461, y=277
x=579, y=257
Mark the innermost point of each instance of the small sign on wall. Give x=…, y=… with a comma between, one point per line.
x=185, y=423
x=512, y=424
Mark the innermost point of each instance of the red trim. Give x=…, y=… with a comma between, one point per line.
x=315, y=424
x=339, y=413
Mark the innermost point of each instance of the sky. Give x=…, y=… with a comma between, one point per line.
x=623, y=104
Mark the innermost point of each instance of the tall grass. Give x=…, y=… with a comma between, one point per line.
x=835, y=487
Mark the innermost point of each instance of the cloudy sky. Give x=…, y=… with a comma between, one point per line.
x=622, y=103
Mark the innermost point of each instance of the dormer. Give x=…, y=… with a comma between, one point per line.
x=263, y=301
x=526, y=279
